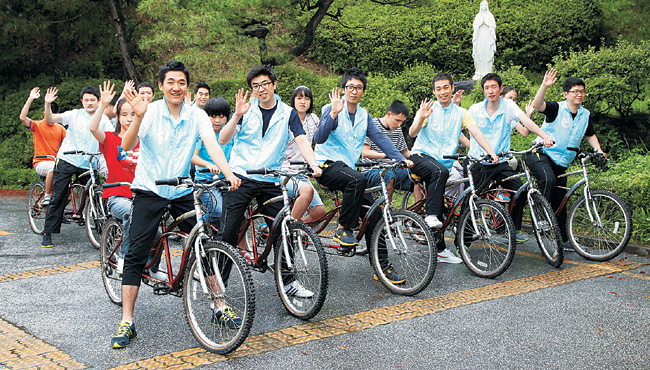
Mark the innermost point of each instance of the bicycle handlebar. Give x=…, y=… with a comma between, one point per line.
x=171, y=182
x=116, y=184
x=259, y=171
x=374, y=163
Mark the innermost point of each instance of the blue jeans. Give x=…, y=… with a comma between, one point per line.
x=213, y=200
x=120, y=208
x=401, y=176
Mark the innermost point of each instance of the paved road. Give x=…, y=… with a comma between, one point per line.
x=54, y=313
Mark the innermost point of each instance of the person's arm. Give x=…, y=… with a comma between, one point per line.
x=383, y=143
x=33, y=95
x=373, y=154
x=426, y=108
x=50, y=96
x=139, y=105
x=593, y=141
x=522, y=130
x=530, y=125
x=217, y=156
x=549, y=79
x=106, y=92
x=241, y=107
x=464, y=140
x=329, y=116
x=305, y=149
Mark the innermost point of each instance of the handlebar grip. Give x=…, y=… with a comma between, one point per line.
x=364, y=164
x=170, y=182
x=298, y=163
x=115, y=184
x=44, y=156
x=259, y=171
x=70, y=152
x=204, y=170
x=574, y=149
x=453, y=156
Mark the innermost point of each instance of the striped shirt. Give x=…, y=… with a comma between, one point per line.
x=396, y=137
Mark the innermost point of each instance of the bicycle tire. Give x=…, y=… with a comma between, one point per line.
x=413, y=257
x=111, y=242
x=547, y=230
x=239, y=295
x=94, y=216
x=309, y=268
x=260, y=233
x=486, y=256
x=605, y=241
x=35, y=212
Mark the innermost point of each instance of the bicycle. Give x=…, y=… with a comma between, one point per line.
x=93, y=217
x=298, y=252
x=484, y=231
x=599, y=223
x=210, y=273
x=542, y=217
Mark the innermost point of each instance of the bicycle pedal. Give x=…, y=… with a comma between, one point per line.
x=346, y=251
x=160, y=289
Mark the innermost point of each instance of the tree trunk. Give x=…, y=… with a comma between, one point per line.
x=310, y=28
x=118, y=18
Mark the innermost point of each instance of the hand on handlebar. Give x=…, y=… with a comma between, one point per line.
x=234, y=181
x=408, y=163
x=548, y=142
x=316, y=170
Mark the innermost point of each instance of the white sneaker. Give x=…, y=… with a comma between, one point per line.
x=120, y=265
x=47, y=198
x=448, y=256
x=158, y=275
x=296, y=289
x=432, y=221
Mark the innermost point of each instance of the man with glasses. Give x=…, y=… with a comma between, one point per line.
x=565, y=122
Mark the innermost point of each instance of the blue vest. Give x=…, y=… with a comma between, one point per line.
x=440, y=133
x=252, y=151
x=567, y=132
x=496, y=130
x=346, y=142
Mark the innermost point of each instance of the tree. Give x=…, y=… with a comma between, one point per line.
x=120, y=27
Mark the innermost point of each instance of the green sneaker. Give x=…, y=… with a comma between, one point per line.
x=125, y=334
x=226, y=317
x=521, y=237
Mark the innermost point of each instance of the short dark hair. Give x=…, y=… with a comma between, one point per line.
x=508, y=89
x=572, y=81
x=398, y=107
x=442, y=77
x=491, y=77
x=173, y=65
x=114, y=100
x=144, y=84
x=89, y=90
x=118, y=110
x=54, y=107
x=354, y=72
x=303, y=91
x=202, y=85
x=260, y=70
x=217, y=107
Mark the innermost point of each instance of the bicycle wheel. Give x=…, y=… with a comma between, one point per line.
x=403, y=255
x=95, y=216
x=35, y=212
x=408, y=202
x=74, y=203
x=228, y=289
x=608, y=234
x=488, y=247
x=301, y=271
x=111, y=243
x=257, y=235
x=547, y=230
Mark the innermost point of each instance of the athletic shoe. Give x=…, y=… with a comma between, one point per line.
x=158, y=275
x=47, y=241
x=125, y=334
x=521, y=237
x=345, y=238
x=46, y=200
x=502, y=197
x=448, y=256
x=120, y=265
x=568, y=247
x=65, y=220
x=391, y=275
x=296, y=289
x=226, y=317
x=432, y=221
x=248, y=256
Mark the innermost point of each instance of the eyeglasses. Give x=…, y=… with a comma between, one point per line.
x=578, y=92
x=352, y=88
x=264, y=85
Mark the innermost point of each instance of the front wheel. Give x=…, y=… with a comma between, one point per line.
x=35, y=212
x=95, y=217
x=219, y=313
x=547, y=230
x=111, y=243
x=606, y=233
x=301, y=271
x=403, y=254
x=486, y=242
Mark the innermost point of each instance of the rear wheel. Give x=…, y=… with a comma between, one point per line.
x=606, y=233
x=487, y=247
x=111, y=242
x=221, y=315
x=547, y=230
x=35, y=212
x=301, y=271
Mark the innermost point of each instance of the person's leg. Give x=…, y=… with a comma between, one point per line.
x=120, y=208
x=434, y=175
x=301, y=189
x=504, y=170
x=541, y=168
x=63, y=172
x=234, y=206
x=338, y=176
x=46, y=169
x=557, y=195
x=316, y=210
x=213, y=201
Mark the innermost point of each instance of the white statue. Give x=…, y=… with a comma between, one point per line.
x=484, y=41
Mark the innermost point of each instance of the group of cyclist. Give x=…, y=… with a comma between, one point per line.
x=148, y=141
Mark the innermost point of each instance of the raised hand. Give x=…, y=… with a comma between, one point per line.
x=106, y=92
x=426, y=108
x=35, y=93
x=529, y=108
x=458, y=96
x=136, y=102
x=50, y=95
x=337, y=102
x=549, y=78
x=241, y=105
x=129, y=85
